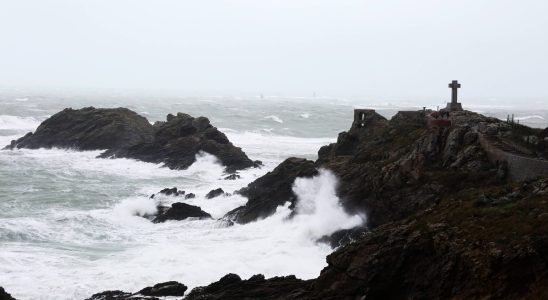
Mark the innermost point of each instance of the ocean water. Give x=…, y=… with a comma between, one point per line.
x=70, y=223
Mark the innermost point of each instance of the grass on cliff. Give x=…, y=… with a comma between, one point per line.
x=501, y=223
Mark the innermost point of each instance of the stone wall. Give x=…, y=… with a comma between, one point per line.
x=519, y=167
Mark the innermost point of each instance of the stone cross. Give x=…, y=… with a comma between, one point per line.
x=455, y=85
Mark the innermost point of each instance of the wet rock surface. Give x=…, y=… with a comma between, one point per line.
x=179, y=211
x=170, y=288
x=166, y=289
x=177, y=141
x=89, y=129
x=232, y=287
x=124, y=133
x=271, y=190
x=215, y=193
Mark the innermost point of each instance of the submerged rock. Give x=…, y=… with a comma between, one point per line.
x=89, y=129
x=180, y=211
x=232, y=177
x=271, y=190
x=190, y=196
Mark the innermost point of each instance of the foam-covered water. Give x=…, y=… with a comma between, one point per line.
x=70, y=225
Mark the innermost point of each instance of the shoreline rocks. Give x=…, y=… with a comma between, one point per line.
x=179, y=211
x=166, y=289
x=271, y=190
x=215, y=193
x=89, y=129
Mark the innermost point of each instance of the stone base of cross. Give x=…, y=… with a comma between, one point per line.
x=453, y=106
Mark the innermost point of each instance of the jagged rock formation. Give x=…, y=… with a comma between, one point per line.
x=123, y=133
x=232, y=287
x=166, y=289
x=177, y=141
x=215, y=193
x=444, y=221
x=466, y=247
x=388, y=169
x=89, y=129
x=179, y=211
x=271, y=190
x=170, y=288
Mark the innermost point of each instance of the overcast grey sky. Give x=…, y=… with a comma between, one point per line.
x=292, y=47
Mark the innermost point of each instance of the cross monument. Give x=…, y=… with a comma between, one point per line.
x=454, y=105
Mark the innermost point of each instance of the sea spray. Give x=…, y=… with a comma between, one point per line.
x=18, y=123
x=318, y=208
x=206, y=165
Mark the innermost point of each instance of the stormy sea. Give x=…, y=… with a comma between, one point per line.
x=71, y=224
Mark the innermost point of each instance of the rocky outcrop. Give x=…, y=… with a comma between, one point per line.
x=271, y=190
x=172, y=192
x=232, y=287
x=166, y=289
x=393, y=169
x=179, y=211
x=4, y=295
x=123, y=133
x=89, y=129
x=215, y=193
x=464, y=248
x=170, y=288
x=177, y=141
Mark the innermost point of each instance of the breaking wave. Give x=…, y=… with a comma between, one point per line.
x=274, y=118
x=18, y=123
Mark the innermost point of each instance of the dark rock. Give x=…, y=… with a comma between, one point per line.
x=215, y=193
x=271, y=190
x=172, y=191
x=177, y=141
x=344, y=237
x=123, y=133
x=231, y=287
x=4, y=295
x=180, y=211
x=170, y=288
x=89, y=129
x=118, y=295
x=190, y=196
x=393, y=169
x=232, y=177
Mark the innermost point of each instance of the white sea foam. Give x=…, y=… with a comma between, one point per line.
x=530, y=117
x=111, y=248
x=305, y=115
x=277, y=147
x=274, y=118
x=18, y=123
x=138, y=206
x=319, y=211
